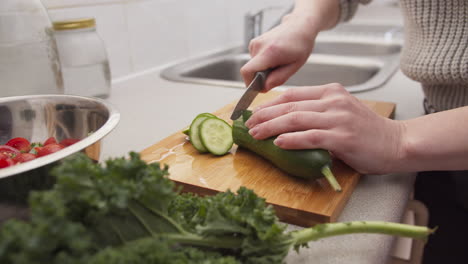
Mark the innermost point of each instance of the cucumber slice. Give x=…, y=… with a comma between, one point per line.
x=216, y=135
x=208, y=115
x=194, y=133
x=186, y=130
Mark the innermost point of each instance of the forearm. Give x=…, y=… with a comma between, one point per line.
x=319, y=14
x=435, y=142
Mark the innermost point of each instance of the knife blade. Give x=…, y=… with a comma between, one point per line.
x=247, y=98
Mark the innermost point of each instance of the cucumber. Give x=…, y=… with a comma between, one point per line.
x=186, y=130
x=216, y=135
x=307, y=163
x=194, y=133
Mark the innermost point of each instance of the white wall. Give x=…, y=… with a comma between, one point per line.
x=143, y=34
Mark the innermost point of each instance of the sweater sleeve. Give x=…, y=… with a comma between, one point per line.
x=348, y=8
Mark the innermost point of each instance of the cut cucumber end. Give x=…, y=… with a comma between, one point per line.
x=326, y=171
x=216, y=136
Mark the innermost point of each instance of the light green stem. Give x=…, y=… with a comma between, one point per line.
x=331, y=178
x=314, y=233
x=377, y=227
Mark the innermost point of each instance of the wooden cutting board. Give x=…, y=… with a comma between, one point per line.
x=296, y=201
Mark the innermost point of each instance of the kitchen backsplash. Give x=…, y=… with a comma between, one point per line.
x=143, y=34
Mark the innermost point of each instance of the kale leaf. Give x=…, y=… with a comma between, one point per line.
x=128, y=212
x=94, y=208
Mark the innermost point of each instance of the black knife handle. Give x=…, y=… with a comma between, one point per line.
x=265, y=73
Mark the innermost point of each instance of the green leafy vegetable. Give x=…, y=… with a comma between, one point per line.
x=127, y=212
x=156, y=250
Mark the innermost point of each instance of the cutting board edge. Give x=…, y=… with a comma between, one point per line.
x=339, y=209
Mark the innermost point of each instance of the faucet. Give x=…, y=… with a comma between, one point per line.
x=253, y=23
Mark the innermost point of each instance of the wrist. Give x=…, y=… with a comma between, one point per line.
x=401, y=148
x=307, y=24
x=409, y=147
x=319, y=14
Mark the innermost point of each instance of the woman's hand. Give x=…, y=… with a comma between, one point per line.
x=284, y=48
x=329, y=117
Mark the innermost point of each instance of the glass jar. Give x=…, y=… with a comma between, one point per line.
x=85, y=67
x=29, y=62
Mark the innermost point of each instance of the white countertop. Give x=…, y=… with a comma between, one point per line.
x=153, y=108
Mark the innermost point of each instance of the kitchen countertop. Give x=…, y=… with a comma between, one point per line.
x=153, y=108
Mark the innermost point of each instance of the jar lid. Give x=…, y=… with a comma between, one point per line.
x=74, y=24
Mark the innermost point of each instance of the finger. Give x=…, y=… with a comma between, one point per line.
x=280, y=75
x=297, y=121
x=275, y=111
x=246, y=71
x=296, y=94
x=262, y=59
x=256, y=64
x=310, y=139
x=255, y=46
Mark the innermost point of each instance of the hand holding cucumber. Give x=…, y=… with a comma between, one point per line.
x=329, y=117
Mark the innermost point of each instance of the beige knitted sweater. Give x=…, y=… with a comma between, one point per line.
x=435, y=52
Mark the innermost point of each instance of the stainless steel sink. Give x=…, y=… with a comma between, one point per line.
x=357, y=48
x=358, y=65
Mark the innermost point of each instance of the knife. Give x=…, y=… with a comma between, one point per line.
x=254, y=88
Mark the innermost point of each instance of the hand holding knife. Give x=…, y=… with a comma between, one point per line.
x=256, y=86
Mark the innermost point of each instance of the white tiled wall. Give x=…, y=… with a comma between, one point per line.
x=143, y=34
